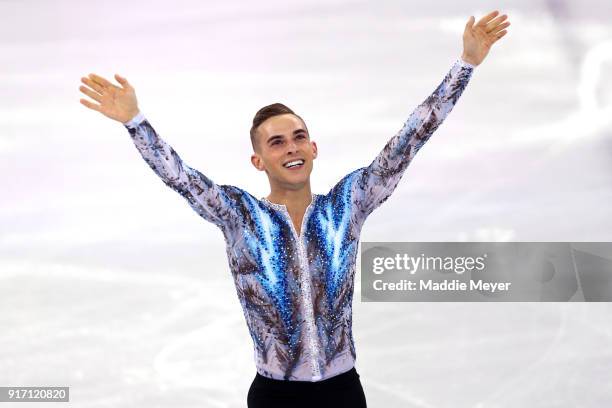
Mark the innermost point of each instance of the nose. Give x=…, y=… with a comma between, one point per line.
x=291, y=147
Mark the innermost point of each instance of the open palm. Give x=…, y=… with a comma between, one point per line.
x=478, y=38
x=116, y=102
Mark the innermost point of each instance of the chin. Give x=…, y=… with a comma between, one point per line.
x=295, y=183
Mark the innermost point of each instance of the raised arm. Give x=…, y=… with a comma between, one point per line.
x=212, y=202
x=372, y=185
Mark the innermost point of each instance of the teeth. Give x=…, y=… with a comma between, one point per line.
x=294, y=163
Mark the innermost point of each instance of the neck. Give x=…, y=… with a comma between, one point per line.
x=292, y=199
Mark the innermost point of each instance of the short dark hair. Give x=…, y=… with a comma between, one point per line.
x=267, y=112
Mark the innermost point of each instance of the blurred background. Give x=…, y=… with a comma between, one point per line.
x=112, y=285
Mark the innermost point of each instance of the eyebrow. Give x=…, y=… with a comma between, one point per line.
x=295, y=132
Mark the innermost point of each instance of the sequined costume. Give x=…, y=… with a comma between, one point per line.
x=296, y=290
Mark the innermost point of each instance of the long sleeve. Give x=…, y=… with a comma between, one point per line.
x=372, y=185
x=212, y=202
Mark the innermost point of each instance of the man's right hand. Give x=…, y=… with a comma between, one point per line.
x=118, y=103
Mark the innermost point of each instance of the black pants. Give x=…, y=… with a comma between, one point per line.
x=341, y=391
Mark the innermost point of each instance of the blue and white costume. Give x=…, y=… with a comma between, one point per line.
x=296, y=291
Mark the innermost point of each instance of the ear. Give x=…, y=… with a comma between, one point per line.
x=257, y=162
x=314, y=149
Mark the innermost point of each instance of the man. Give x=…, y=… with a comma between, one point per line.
x=292, y=254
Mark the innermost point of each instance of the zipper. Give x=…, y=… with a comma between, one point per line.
x=306, y=288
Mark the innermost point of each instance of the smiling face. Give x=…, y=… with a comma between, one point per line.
x=283, y=150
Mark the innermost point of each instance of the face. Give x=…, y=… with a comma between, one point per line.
x=284, y=151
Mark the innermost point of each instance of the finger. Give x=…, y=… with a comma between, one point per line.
x=500, y=35
x=90, y=105
x=483, y=21
x=99, y=89
x=101, y=81
x=470, y=23
x=124, y=82
x=93, y=95
x=494, y=23
x=499, y=28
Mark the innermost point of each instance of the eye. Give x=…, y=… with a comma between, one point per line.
x=300, y=136
x=276, y=142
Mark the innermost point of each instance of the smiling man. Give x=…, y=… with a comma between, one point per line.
x=283, y=149
x=292, y=254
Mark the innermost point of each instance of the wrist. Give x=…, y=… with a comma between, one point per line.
x=135, y=121
x=130, y=116
x=469, y=60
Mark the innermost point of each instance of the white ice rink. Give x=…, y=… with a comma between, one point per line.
x=112, y=285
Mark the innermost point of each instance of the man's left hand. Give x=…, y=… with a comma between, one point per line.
x=478, y=38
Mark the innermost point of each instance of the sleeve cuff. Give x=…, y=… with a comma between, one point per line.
x=465, y=64
x=135, y=121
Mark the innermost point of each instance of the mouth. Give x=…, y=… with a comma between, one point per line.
x=294, y=164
